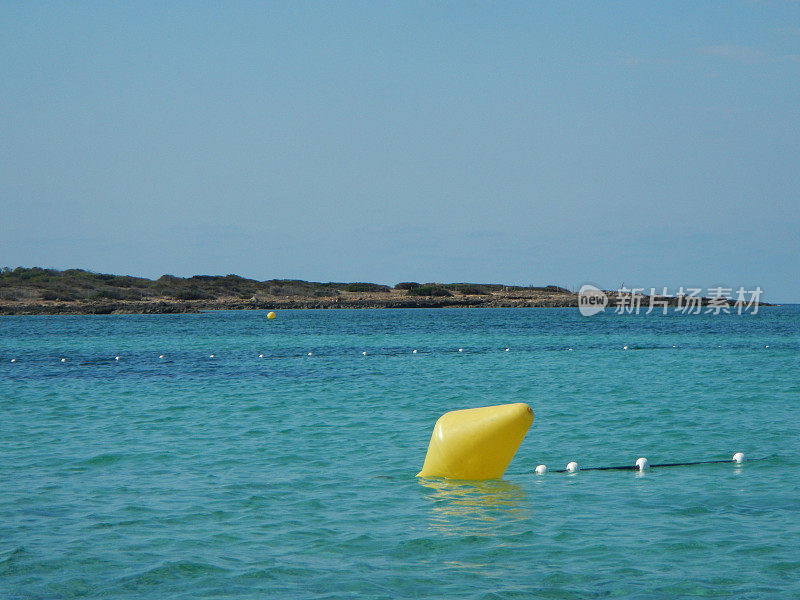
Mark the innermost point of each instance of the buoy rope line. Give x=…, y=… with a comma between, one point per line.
x=380, y=352
x=642, y=464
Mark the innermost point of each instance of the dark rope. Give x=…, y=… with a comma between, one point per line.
x=677, y=464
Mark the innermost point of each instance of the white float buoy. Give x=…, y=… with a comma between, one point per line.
x=161, y=356
x=541, y=469
x=508, y=349
x=624, y=347
x=642, y=464
x=569, y=349
x=674, y=346
x=63, y=360
x=212, y=356
x=13, y=360
x=414, y=352
x=116, y=358
x=767, y=346
x=260, y=356
x=738, y=458
x=309, y=353
x=572, y=467
x=364, y=353
x=460, y=349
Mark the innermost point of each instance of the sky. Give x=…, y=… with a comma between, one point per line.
x=531, y=143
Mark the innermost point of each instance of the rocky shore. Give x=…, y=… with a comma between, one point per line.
x=344, y=300
x=353, y=300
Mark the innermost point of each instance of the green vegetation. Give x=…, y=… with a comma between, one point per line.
x=37, y=284
x=366, y=287
x=430, y=290
x=33, y=284
x=469, y=288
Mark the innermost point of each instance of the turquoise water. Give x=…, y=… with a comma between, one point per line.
x=292, y=476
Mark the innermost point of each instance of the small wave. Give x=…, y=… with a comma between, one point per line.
x=8, y=558
x=170, y=571
x=113, y=458
x=107, y=458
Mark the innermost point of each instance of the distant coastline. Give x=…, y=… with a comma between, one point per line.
x=38, y=291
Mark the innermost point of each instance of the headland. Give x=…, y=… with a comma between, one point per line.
x=39, y=291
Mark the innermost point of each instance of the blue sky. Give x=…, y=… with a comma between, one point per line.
x=655, y=144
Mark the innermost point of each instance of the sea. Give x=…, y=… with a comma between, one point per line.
x=227, y=455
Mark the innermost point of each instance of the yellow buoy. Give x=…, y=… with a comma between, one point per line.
x=270, y=315
x=476, y=443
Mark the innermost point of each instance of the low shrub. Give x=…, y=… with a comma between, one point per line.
x=61, y=295
x=469, y=289
x=123, y=294
x=430, y=290
x=191, y=294
x=107, y=295
x=366, y=287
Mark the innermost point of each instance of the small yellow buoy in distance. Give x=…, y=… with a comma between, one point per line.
x=476, y=443
x=270, y=315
